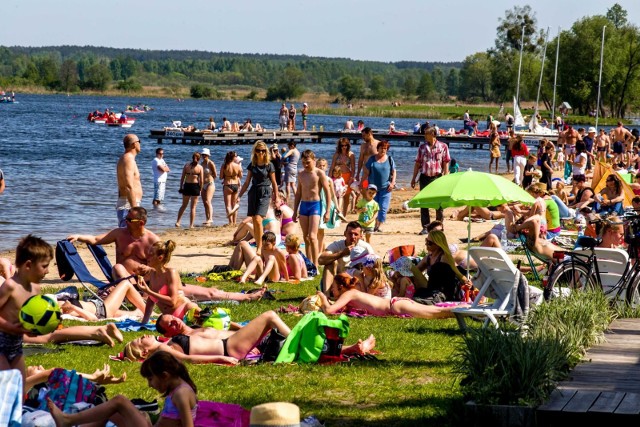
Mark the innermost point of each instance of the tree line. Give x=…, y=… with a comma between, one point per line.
x=489, y=76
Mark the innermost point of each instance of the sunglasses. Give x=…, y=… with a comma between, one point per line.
x=261, y=151
x=132, y=220
x=343, y=146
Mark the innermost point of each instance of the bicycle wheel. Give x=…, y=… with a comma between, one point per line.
x=633, y=293
x=569, y=277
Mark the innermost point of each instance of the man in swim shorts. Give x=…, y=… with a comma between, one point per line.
x=307, y=203
x=129, y=185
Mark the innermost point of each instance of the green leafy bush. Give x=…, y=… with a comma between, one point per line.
x=511, y=367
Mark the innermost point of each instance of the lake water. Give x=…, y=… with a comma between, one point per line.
x=60, y=169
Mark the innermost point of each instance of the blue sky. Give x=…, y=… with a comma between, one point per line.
x=414, y=30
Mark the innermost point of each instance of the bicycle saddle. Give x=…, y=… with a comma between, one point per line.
x=588, y=242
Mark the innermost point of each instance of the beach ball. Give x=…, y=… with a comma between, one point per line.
x=219, y=319
x=41, y=314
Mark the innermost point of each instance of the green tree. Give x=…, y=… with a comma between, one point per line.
x=617, y=15
x=289, y=85
x=425, y=89
x=98, y=77
x=509, y=32
x=116, y=69
x=48, y=72
x=351, y=87
x=200, y=91
x=409, y=86
x=69, y=76
x=475, y=77
x=439, y=84
x=378, y=89
x=453, y=82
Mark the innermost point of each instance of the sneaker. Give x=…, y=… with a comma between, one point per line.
x=424, y=232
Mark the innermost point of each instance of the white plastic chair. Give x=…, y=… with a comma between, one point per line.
x=612, y=264
x=497, y=281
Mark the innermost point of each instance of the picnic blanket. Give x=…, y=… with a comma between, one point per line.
x=11, y=402
x=130, y=325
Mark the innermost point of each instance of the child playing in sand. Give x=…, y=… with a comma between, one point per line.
x=368, y=211
x=33, y=256
x=307, y=205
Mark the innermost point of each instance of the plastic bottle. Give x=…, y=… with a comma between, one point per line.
x=503, y=236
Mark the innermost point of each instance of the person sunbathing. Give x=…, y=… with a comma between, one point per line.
x=208, y=345
x=349, y=297
x=170, y=326
x=106, y=334
x=536, y=244
x=109, y=307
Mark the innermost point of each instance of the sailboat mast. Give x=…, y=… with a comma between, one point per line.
x=544, y=55
x=600, y=77
x=520, y=67
x=555, y=79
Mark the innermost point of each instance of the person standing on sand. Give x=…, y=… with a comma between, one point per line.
x=160, y=171
x=432, y=161
x=305, y=111
x=208, y=185
x=129, y=185
x=367, y=149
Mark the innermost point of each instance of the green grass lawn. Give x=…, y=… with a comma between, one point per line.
x=411, y=383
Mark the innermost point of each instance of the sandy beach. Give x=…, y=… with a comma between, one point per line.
x=200, y=248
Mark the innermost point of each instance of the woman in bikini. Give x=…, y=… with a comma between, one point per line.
x=285, y=214
x=345, y=159
x=206, y=345
x=190, y=186
x=209, y=187
x=348, y=296
x=165, y=286
x=231, y=173
x=110, y=307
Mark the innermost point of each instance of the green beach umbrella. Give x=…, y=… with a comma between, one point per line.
x=472, y=189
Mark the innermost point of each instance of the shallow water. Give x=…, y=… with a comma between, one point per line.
x=60, y=168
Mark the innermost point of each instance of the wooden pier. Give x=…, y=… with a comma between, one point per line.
x=244, y=138
x=603, y=389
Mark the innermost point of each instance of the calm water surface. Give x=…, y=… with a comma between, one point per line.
x=60, y=168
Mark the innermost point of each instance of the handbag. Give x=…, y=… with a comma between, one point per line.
x=270, y=348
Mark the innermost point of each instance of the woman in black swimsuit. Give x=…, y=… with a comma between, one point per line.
x=231, y=173
x=190, y=187
x=206, y=345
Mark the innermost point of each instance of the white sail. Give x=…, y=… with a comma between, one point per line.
x=517, y=115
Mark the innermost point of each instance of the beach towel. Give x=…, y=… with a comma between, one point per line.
x=134, y=326
x=11, y=402
x=216, y=414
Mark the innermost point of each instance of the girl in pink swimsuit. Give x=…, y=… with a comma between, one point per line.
x=165, y=286
x=165, y=374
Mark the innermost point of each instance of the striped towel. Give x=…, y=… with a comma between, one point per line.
x=11, y=402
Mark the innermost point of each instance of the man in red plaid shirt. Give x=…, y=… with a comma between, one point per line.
x=432, y=161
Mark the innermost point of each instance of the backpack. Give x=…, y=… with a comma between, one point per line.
x=66, y=387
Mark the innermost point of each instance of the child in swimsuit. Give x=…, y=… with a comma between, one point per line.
x=165, y=286
x=307, y=204
x=296, y=267
x=165, y=374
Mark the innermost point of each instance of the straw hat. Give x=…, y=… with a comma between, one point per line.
x=275, y=414
x=541, y=187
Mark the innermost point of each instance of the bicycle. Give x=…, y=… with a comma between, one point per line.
x=598, y=268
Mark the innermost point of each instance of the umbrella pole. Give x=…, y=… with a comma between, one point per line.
x=468, y=240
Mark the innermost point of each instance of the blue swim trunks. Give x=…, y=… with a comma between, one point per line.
x=309, y=208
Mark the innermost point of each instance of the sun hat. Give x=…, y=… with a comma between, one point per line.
x=358, y=254
x=305, y=103
x=591, y=130
x=275, y=414
x=403, y=266
x=370, y=260
x=237, y=159
x=372, y=187
x=274, y=145
x=392, y=122
x=206, y=152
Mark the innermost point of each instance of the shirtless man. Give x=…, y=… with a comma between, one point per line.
x=603, y=145
x=622, y=139
x=226, y=125
x=132, y=244
x=129, y=185
x=367, y=149
x=570, y=137
x=307, y=205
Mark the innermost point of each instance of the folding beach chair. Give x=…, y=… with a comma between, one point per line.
x=70, y=263
x=498, y=280
x=100, y=255
x=531, y=255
